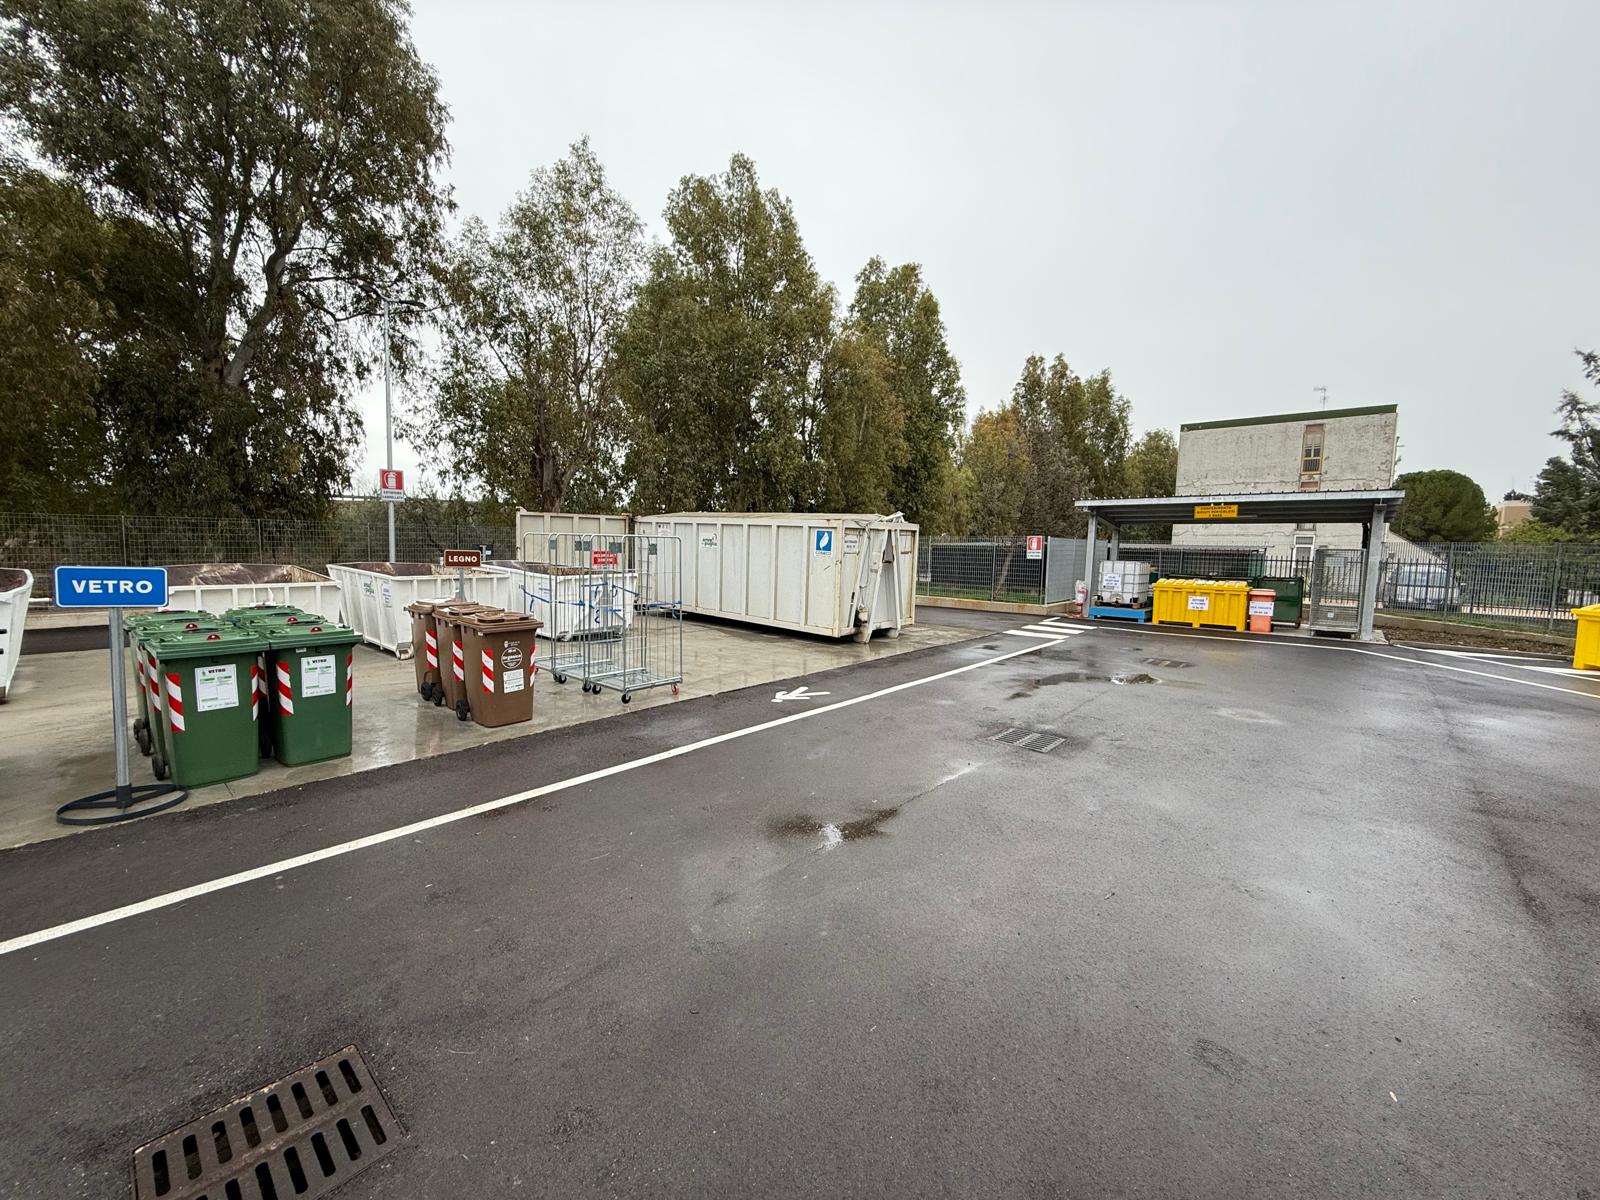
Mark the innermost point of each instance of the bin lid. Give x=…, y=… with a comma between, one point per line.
x=207, y=643
x=461, y=608
x=423, y=608
x=315, y=633
x=171, y=614
x=261, y=610
x=296, y=617
x=179, y=624
x=1590, y=611
x=499, y=621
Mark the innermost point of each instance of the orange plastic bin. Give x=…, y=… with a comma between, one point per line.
x=1262, y=601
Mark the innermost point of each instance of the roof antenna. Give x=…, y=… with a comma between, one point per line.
x=1324, y=392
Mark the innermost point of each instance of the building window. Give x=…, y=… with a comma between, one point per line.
x=1311, y=451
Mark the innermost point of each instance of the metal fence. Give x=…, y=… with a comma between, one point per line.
x=39, y=542
x=1001, y=569
x=1490, y=583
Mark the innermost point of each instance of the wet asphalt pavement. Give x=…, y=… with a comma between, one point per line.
x=1279, y=920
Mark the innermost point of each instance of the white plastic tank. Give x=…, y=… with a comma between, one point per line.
x=1124, y=583
x=832, y=574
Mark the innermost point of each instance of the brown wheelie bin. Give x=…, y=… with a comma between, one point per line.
x=425, y=649
x=453, y=674
x=499, y=652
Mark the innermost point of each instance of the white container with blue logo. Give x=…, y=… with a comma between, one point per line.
x=829, y=574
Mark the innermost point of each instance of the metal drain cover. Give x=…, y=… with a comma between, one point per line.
x=1163, y=662
x=303, y=1135
x=1029, y=739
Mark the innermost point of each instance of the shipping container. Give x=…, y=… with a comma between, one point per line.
x=532, y=528
x=217, y=587
x=832, y=574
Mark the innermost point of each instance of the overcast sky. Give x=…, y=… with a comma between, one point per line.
x=1226, y=205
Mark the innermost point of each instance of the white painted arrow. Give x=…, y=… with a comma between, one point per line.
x=798, y=693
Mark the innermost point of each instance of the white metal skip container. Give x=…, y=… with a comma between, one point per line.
x=16, y=586
x=375, y=595
x=831, y=574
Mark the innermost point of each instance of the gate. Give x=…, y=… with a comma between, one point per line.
x=1336, y=578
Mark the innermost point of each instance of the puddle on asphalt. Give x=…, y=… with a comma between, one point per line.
x=799, y=825
x=1122, y=678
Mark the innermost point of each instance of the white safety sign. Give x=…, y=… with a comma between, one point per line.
x=513, y=680
x=1261, y=608
x=1111, y=582
x=852, y=542
x=316, y=675
x=824, y=541
x=1199, y=603
x=216, y=687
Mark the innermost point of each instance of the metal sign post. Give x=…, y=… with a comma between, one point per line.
x=116, y=588
x=461, y=560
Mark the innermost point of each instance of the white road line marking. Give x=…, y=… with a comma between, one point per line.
x=1053, y=630
x=1054, y=637
x=1307, y=644
x=1416, y=662
x=169, y=899
x=1495, y=660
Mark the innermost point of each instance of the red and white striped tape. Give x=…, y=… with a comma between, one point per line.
x=285, y=691
x=152, y=675
x=350, y=679
x=431, y=640
x=458, y=661
x=255, y=692
x=175, y=702
x=488, y=671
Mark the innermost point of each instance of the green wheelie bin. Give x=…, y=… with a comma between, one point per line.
x=263, y=618
x=141, y=628
x=312, y=687
x=210, y=705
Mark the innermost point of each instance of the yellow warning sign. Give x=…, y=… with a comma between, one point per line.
x=1215, y=512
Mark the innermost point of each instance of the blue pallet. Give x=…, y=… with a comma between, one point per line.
x=1140, y=615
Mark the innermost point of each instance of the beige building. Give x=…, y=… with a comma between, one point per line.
x=1509, y=514
x=1336, y=449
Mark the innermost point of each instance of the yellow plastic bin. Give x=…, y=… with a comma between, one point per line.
x=1586, y=653
x=1211, y=603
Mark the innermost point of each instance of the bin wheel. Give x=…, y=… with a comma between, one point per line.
x=561, y=678
x=139, y=726
x=438, y=696
x=142, y=737
x=159, y=766
x=424, y=690
x=626, y=697
x=462, y=711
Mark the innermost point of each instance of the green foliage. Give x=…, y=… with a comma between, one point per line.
x=1567, y=493
x=271, y=165
x=722, y=354
x=525, y=403
x=862, y=427
x=894, y=308
x=53, y=313
x=998, y=471
x=1151, y=469
x=1534, y=532
x=1443, y=506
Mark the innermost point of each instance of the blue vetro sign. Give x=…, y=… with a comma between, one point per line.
x=824, y=541
x=111, y=587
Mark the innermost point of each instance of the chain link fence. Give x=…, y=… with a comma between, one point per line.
x=39, y=542
x=1488, y=583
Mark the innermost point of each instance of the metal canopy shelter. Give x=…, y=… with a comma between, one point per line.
x=1372, y=510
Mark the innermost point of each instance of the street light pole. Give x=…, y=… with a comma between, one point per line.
x=388, y=420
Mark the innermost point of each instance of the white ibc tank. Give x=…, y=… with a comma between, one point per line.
x=1124, y=583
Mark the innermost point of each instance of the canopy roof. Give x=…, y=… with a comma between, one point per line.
x=1254, y=508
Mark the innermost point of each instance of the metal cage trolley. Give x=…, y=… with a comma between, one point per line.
x=638, y=640
x=553, y=582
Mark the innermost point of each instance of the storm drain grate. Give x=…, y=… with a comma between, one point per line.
x=1163, y=662
x=299, y=1137
x=1028, y=739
